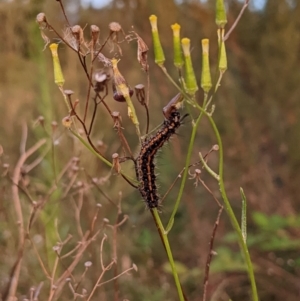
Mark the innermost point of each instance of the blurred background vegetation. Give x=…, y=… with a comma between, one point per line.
x=258, y=114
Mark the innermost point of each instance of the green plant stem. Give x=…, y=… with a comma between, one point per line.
x=186, y=169
x=231, y=214
x=164, y=235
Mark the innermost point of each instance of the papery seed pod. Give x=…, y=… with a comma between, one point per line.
x=116, y=163
x=95, y=31
x=140, y=93
x=78, y=35
x=42, y=20
x=216, y=147
x=142, y=53
x=68, y=92
x=115, y=27
x=101, y=79
x=88, y=264
x=67, y=122
x=117, y=119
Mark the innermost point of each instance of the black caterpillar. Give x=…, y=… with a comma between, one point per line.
x=144, y=164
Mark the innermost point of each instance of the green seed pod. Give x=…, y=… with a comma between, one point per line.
x=222, y=50
x=190, y=79
x=158, y=51
x=178, y=60
x=221, y=18
x=205, y=74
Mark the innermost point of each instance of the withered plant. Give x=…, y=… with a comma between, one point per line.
x=105, y=81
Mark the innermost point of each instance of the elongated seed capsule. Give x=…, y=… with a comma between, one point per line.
x=222, y=50
x=58, y=75
x=205, y=74
x=190, y=78
x=178, y=60
x=158, y=51
x=221, y=18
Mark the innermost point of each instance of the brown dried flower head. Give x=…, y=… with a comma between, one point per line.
x=78, y=34
x=95, y=32
x=115, y=27
x=42, y=20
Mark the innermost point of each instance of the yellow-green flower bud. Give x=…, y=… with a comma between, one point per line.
x=58, y=75
x=190, y=79
x=222, y=51
x=205, y=74
x=158, y=51
x=221, y=18
x=178, y=60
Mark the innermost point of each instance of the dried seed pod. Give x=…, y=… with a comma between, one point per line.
x=78, y=35
x=67, y=122
x=115, y=27
x=142, y=53
x=140, y=93
x=42, y=20
x=116, y=163
x=101, y=79
x=95, y=31
x=117, y=119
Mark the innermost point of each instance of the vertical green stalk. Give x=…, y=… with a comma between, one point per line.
x=185, y=173
x=231, y=214
x=164, y=235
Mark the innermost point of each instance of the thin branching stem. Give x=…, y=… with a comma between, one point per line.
x=237, y=20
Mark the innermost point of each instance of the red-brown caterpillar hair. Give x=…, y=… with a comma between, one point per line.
x=145, y=166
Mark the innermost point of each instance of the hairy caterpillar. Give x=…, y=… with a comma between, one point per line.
x=145, y=166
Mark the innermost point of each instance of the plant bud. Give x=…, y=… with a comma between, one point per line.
x=58, y=75
x=205, y=76
x=190, y=79
x=158, y=51
x=221, y=18
x=178, y=60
